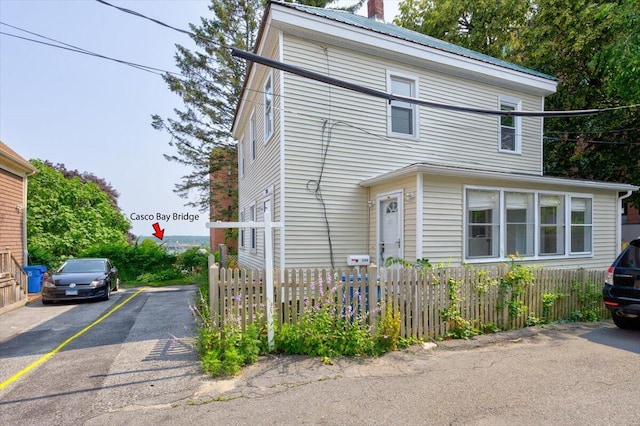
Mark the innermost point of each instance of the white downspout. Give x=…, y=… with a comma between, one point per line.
x=619, y=221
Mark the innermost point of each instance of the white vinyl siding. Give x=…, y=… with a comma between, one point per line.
x=263, y=174
x=359, y=148
x=352, y=130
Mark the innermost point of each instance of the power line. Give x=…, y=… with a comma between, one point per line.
x=373, y=92
x=390, y=97
x=71, y=48
x=140, y=15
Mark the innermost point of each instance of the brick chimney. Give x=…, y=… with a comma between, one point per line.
x=376, y=9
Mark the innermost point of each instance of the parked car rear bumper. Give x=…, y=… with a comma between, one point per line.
x=622, y=306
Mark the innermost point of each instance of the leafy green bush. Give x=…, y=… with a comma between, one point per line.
x=388, y=330
x=148, y=260
x=194, y=259
x=329, y=327
x=225, y=349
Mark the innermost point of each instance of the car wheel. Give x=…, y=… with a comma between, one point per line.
x=47, y=302
x=624, y=323
x=108, y=295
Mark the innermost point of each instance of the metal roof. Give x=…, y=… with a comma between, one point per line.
x=408, y=35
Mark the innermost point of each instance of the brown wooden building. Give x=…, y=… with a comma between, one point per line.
x=14, y=171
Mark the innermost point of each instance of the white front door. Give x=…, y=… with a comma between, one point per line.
x=390, y=233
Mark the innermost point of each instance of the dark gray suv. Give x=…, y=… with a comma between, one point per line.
x=621, y=290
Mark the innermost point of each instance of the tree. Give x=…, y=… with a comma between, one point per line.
x=210, y=87
x=591, y=46
x=66, y=215
x=486, y=26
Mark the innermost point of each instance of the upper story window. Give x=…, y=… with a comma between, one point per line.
x=268, y=109
x=252, y=136
x=510, y=139
x=402, y=115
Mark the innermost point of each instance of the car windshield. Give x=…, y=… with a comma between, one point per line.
x=89, y=265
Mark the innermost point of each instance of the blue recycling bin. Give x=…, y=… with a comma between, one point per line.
x=35, y=276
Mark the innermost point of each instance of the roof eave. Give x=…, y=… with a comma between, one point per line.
x=16, y=162
x=509, y=177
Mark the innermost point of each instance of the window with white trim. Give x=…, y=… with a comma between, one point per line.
x=252, y=136
x=510, y=139
x=551, y=224
x=241, y=236
x=268, y=109
x=253, y=236
x=402, y=115
x=520, y=223
x=581, y=225
x=483, y=223
x=500, y=223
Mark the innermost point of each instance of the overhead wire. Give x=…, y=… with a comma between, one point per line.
x=76, y=49
x=362, y=89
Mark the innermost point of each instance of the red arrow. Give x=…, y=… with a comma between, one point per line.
x=159, y=232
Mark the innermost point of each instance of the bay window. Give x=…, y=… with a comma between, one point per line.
x=500, y=223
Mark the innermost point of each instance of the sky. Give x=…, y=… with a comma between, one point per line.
x=92, y=114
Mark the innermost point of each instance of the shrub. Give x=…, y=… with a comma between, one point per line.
x=225, y=349
x=194, y=259
x=328, y=327
x=137, y=260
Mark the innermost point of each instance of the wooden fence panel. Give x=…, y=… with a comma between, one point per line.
x=420, y=295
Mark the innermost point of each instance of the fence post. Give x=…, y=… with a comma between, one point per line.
x=372, y=296
x=222, y=249
x=214, y=277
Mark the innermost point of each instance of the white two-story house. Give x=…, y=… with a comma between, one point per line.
x=350, y=172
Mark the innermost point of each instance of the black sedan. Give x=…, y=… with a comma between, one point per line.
x=621, y=290
x=81, y=279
